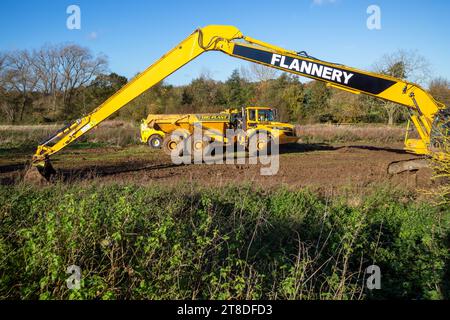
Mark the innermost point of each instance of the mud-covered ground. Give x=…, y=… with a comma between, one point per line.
x=327, y=168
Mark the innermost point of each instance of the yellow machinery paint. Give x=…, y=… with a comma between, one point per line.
x=229, y=40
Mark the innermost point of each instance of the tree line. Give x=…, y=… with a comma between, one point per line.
x=63, y=82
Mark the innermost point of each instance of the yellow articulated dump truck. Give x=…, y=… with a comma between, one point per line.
x=157, y=130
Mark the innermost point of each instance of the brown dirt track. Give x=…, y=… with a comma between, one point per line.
x=324, y=167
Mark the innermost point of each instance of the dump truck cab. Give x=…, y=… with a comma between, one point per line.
x=266, y=119
x=260, y=115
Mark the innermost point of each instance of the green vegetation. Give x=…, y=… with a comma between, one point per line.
x=185, y=242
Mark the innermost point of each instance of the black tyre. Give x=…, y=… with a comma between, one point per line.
x=155, y=141
x=207, y=150
x=174, y=142
x=261, y=142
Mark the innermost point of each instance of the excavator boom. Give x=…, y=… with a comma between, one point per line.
x=228, y=39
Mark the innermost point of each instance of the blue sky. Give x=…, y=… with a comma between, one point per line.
x=134, y=33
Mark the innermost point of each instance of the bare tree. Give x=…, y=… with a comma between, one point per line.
x=65, y=68
x=206, y=74
x=258, y=73
x=440, y=90
x=2, y=73
x=52, y=73
x=77, y=67
x=2, y=68
x=45, y=62
x=6, y=108
x=20, y=78
x=403, y=64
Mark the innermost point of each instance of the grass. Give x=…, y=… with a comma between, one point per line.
x=18, y=143
x=120, y=133
x=187, y=242
x=111, y=133
x=76, y=158
x=328, y=133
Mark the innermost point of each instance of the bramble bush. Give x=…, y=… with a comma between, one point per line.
x=147, y=242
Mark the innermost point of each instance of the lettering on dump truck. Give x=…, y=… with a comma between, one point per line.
x=213, y=117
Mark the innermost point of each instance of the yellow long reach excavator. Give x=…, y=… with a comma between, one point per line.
x=425, y=112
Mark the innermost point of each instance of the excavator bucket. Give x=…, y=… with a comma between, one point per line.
x=40, y=173
x=407, y=165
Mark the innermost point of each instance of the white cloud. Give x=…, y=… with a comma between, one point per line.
x=322, y=2
x=93, y=35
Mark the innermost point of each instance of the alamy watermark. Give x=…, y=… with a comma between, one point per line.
x=374, y=20
x=374, y=280
x=73, y=21
x=73, y=281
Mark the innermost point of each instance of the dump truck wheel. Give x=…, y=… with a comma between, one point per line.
x=174, y=142
x=199, y=146
x=170, y=145
x=155, y=141
x=262, y=144
x=201, y=149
